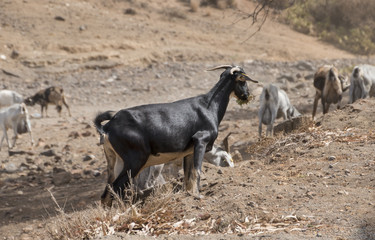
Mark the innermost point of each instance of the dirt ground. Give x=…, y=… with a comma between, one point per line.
x=316, y=182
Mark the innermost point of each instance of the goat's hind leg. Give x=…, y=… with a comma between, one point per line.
x=66, y=105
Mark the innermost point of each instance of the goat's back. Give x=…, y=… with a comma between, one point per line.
x=320, y=76
x=8, y=98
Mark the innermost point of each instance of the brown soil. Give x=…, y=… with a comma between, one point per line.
x=318, y=181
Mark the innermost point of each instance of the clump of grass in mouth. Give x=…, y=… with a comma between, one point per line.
x=242, y=102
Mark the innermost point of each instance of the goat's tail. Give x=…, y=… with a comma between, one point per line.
x=267, y=94
x=101, y=117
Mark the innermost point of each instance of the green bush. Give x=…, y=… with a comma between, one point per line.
x=347, y=24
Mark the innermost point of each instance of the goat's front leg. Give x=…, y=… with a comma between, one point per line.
x=4, y=136
x=15, y=135
x=193, y=163
x=316, y=100
x=325, y=106
x=339, y=102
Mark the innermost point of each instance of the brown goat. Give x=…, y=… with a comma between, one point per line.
x=51, y=95
x=329, y=87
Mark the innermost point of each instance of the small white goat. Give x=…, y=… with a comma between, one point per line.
x=274, y=103
x=15, y=117
x=329, y=86
x=8, y=98
x=152, y=176
x=149, y=178
x=362, y=82
x=219, y=157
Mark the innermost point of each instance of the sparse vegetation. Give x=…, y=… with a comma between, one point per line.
x=346, y=24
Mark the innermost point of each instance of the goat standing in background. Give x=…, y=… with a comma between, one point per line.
x=362, y=82
x=15, y=117
x=329, y=87
x=147, y=135
x=51, y=95
x=274, y=103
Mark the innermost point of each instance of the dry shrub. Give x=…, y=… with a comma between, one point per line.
x=346, y=24
x=153, y=216
x=220, y=4
x=194, y=5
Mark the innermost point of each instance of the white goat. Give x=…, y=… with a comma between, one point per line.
x=8, y=98
x=219, y=157
x=152, y=176
x=149, y=178
x=15, y=117
x=274, y=103
x=362, y=82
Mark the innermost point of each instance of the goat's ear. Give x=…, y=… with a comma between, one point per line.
x=241, y=76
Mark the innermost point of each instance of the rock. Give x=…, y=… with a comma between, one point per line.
x=96, y=173
x=86, y=134
x=48, y=153
x=14, y=54
x=74, y=134
x=252, y=204
x=302, y=65
x=236, y=156
x=27, y=229
x=82, y=28
x=88, y=157
x=10, y=168
x=130, y=11
x=59, y=18
x=288, y=78
x=331, y=158
x=61, y=178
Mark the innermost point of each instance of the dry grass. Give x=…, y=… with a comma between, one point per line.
x=131, y=217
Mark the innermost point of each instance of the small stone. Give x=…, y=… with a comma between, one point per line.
x=331, y=158
x=88, y=157
x=252, y=204
x=237, y=157
x=61, y=178
x=82, y=28
x=10, y=168
x=27, y=229
x=220, y=171
x=48, y=153
x=96, y=173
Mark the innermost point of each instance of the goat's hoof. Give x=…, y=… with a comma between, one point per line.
x=198, y=197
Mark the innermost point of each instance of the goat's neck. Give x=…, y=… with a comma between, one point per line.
x=218, y=97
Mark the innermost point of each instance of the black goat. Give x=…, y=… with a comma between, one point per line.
x=142, y=136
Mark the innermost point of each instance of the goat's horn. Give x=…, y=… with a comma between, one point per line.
x=234, y=69
x=220, y=67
